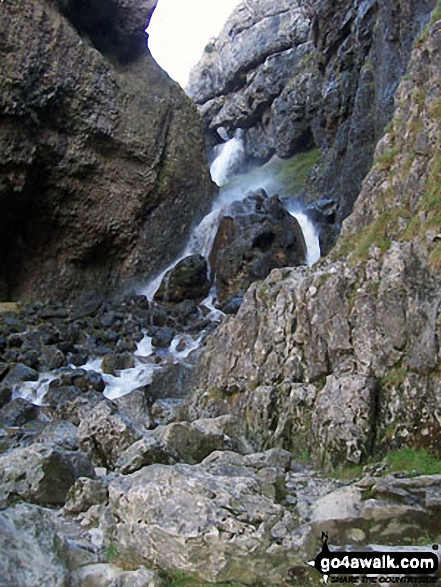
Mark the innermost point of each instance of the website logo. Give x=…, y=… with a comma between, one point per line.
x=407, y=562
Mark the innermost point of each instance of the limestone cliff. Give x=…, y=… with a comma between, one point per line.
x=343, y=359
x=103, y=165
x=299, y=75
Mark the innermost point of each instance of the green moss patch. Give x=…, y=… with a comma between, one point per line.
x=374, y=234
x=179, y=579
x=287, y=177
x=418, y=461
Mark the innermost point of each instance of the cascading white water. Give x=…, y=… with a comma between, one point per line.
x=310, y=235
x=200, y=242
x=229, y=158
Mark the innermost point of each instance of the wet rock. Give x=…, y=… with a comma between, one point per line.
x=165, y=411
x=147, y=451
x=4, y=368
x=5, y=395
x=85, y=493
x=188, y=280
x=163, y=337
x=255, y=236
x=33, y=550
x=232, y=305
x=18, y=412
x=52, y=358
x=82, y=379
x=61, y=434
x=18, y=374
x=117, y=362
x=184, y=311
x=104, y=435
x=41, y=473
x=68, y=403
x=173, y=380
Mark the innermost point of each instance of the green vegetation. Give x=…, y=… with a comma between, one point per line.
x=405, y=460
x=288, y=177
x=413, y=460
x=111, y=553
x=216, y=393
x=180, y=579
x=436, y=14
x=263, y=293
x=424, y=540
x=293, y=174
x=428, y=212
x=385, y=161
x=304, y=456
x=394, y=378
x=435, y=256
x=375, y=234
x=348, y=472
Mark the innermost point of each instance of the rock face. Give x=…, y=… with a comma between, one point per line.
x=103, y=164
x=343, y=361
x=297, y=75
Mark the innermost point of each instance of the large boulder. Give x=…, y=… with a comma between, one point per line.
x=381, y=510
x=103, y=162
x=107, y=575
x=33, y=551
x=188, y=280
x=255, y=235
x=41, y=473
x=105, y=434
x=210, y=521
x=191, y=443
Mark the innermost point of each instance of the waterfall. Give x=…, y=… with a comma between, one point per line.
x=229, y=158
x=227, y=164
x=310, y=235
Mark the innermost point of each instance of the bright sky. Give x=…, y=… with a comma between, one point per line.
x=180, y=29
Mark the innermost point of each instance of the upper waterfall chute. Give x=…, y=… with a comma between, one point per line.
x=229, y=159
x=227, y=166
x=310, y=235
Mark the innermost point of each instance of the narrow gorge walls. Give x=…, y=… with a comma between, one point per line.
x=300, y=76
x=103, y=165
x=342, y=361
